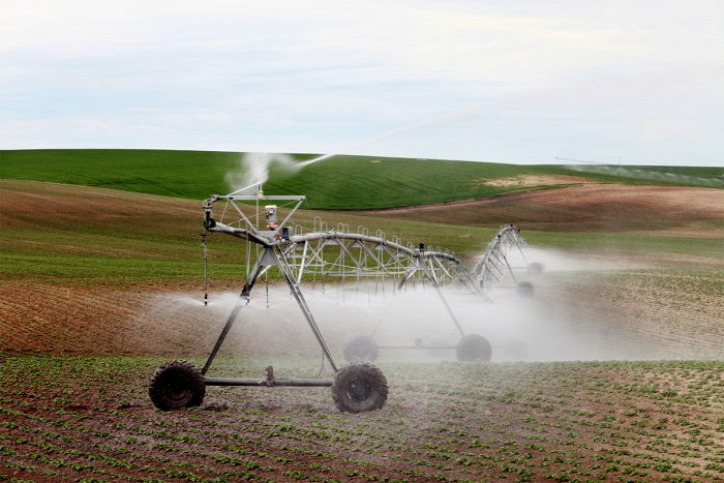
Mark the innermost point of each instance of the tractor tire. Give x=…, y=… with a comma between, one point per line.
x=361, y=348
x=474, y=347
x=359, y=387
x=525, y=289
x=175, y=385
x=536, y=268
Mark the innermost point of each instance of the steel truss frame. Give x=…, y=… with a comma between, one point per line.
x=358, y=254
x=494, y=265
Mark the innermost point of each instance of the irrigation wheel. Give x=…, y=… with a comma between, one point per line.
x=361, y=348
x=359, y=387
x=536, y=268
x=525, y=289
x=176, y=384
x=474, y=347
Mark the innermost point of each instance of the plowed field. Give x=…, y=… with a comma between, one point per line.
x=585, y=207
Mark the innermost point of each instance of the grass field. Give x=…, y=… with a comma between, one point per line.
x=101, y=285
x=341, y=182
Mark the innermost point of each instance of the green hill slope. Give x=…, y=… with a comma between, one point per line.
x=340, y=182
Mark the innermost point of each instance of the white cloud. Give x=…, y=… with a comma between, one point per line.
x=640, y=79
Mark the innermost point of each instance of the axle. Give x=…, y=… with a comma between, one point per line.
x=270, y=381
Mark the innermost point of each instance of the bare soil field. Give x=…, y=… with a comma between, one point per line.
x=531, y=180
x=73, y=419
x=585, y=207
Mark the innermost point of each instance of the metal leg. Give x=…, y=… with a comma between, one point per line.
x=436, y=285
x=243, y=300
x=407, y=277
x=512, y=274
x=299, y=297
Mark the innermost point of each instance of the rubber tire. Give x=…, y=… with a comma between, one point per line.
x=359, y=387
x=474, y=347
x=536, y=268
x=361, y=348
x=525, y=289
x=175, y=385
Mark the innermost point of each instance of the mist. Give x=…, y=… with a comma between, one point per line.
x=255, y=167
x=647, y=174
x=554, y=324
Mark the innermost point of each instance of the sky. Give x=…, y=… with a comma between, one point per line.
x=517, y=81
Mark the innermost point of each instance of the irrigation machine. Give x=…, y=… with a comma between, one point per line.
x=264, y=223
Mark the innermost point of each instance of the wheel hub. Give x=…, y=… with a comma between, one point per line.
x=360, y=389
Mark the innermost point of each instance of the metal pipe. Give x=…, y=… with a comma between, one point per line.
x=222, y=336
x=243, y=300
x=206, y=270
x=417, y=347
x=450, y=312
x=221, y=381
x=299, y=296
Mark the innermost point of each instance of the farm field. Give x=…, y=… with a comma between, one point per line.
x=82, y=265
x=340, y=182
x=614, y=371
x=70, y=418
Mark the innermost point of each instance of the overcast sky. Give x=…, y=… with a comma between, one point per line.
x=640, y=82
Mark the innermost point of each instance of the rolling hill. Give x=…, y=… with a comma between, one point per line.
x=340, y=182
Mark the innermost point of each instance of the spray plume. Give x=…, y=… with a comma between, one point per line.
x=254, y=169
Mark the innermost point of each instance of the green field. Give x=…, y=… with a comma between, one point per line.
x=340, y=182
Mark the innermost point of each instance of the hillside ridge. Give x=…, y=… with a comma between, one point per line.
x=341, y=182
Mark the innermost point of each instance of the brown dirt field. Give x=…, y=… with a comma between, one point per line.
x=588, y=207
x=603, y=314
x=637, y=315
x=67, y=419
x=27, y=204
x=76, y=202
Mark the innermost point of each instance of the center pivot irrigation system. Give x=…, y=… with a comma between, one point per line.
x=358, y=386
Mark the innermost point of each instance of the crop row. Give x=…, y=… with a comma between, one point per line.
x=72, y=417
